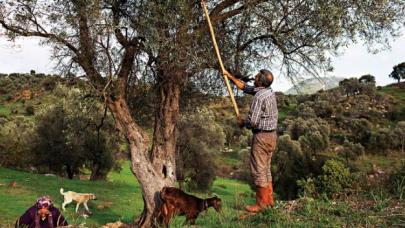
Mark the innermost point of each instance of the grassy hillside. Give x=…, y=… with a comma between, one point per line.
x=117, y=199
x=370, y=201
x=120, y=199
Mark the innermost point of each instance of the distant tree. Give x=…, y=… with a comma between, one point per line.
x=32, y=72
x=398, y=72
x=350, y=86
x=368, y=78
x=70, y=138
x=52, y=149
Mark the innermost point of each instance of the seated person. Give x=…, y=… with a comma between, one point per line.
x=42, y=215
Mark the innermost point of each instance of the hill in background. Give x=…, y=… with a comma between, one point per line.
x=313, y=85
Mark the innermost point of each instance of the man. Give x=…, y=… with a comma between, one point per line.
x=262, y=120
x=42, y=215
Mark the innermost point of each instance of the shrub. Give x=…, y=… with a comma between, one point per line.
x=49, y=83
x=398, y=136
x=199, y=140
x=307, y=187
x=323, y=109
x=351, y=150
x=380, y=141
x=291, y=164
x=333, y=180
x=305, y=110
x=361, y=130
x=16, y=136
x=396, y=114
x=30, y=110
x=397, y=181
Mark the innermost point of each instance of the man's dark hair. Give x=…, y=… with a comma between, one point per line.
x=266, y=77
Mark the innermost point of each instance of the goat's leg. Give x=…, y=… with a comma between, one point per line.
x=169, y=211
x=190, y=219
x=77, y=206
x=167, y=218
x=87, y=208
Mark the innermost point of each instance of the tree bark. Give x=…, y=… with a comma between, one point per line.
x=141, y=165
x=163, y=154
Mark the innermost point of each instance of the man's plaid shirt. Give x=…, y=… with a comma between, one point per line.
x=263, y=112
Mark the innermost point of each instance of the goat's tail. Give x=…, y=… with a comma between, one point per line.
x=61, y=191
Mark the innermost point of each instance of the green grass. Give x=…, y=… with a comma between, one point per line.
x=397, y=93
x=4, y=111
x=121, y=193
x=122, y=199
x=387, y=163
x=230, y=158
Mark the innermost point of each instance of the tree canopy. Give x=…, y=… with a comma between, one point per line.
x=398, y=72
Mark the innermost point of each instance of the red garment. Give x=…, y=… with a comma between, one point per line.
x=28, y=219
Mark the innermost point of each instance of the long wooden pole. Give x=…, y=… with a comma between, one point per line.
x=214, y=41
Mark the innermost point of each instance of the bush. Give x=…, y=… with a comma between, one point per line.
x=29, y=110
x=16, y=137
x=351, y=150
x=291, y=164
x=398, y=136
x=396, y=114
x=361, y=130
x=380, y=141
x=49, y=83
x=323, y=109
x=334, y=180
x=397, y=181
x=199, y=140
x=307, y=187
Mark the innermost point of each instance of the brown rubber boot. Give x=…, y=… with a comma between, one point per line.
x=270, y=199
x=261, y=200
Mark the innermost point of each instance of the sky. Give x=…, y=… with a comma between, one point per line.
x=26, y=54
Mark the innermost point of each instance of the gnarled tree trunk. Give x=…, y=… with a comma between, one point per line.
x=164, y=135
x=156, y=169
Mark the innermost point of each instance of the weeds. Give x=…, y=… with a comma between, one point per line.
x=381, y=199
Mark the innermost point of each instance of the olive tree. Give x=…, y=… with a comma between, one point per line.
x=117, y=43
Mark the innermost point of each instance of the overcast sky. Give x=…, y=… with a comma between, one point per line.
x=25, y=54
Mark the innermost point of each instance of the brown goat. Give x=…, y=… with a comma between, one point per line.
x=177, y=202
